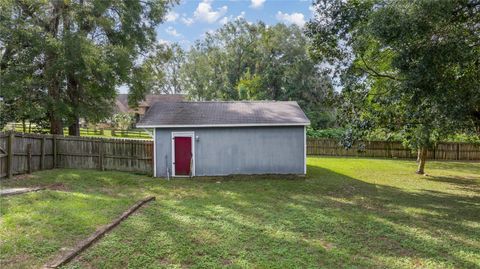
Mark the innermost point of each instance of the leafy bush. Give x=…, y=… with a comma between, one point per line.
x=336, y=133
x=382, y=135
x=123, y=121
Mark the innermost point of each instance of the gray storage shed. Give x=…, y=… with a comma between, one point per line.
x=225, y=138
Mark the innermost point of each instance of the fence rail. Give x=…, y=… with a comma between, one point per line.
x=34, y=129
x=392, y=149
x=24, y=153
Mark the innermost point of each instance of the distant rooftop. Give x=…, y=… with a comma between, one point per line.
x=217, y=114
x=122, y=101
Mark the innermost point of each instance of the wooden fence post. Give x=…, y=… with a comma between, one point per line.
x=458, y=151
x=132, y=153
x=100, y=154
x=29, y=158
x=42, y=158
x=11, y=139
x=54, y=147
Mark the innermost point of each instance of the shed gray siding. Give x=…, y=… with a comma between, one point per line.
x=238, y=150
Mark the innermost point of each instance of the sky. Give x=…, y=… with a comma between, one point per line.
x=191, y=19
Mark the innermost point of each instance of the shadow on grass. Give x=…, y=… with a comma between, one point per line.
x=460, y=166
x=329, y=220
x=465, y=184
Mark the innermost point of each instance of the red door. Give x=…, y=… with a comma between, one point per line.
x=183, y=155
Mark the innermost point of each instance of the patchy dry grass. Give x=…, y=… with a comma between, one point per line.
x=346, y=213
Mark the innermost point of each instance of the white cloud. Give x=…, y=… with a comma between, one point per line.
x=171, y=16
x=163, y=42
x=257, y=3
x=294, y=18
x=206, y=13
x=187, y=21
x=224, y=20
x=185, y=42
x=171, y=31
x=207, y=32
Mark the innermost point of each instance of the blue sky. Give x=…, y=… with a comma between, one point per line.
x=191, y=19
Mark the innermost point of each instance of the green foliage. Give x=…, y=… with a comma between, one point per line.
x=475, y=139
x=243, y=61
x=168, y=62
x=409, y=68
x=70, y=56
x=336, y=133
x=123, y=121
x=250, y=87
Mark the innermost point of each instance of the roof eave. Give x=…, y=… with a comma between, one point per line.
x=221, y=125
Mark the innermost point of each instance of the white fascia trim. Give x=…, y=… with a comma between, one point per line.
x=223, y=125
x=305, y=150
x=154, y=152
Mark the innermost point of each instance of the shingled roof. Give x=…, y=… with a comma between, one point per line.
x=218, y=114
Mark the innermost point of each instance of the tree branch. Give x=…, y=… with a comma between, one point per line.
x=375, y=73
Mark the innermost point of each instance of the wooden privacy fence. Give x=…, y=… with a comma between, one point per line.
x=392, y=149
x=25, y=153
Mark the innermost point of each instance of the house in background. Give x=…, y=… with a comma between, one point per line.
x=121, y=103
x=225, y=138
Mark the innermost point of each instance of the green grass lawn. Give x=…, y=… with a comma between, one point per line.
x=35, y=226
x=347, y=213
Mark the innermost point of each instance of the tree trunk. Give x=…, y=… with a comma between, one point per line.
x=73, y=90
x=56, y=126
x=74, y=128
x=422, y=159
x=24, y=126
x=73, y=94
x=73, y=85
x=419, y=153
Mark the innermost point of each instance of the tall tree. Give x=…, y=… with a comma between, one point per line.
x=243, y=61
x=81, y=50
x=164, y=64
x=411, y=67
